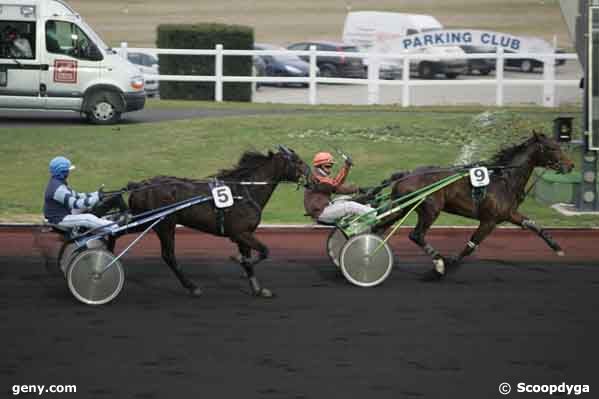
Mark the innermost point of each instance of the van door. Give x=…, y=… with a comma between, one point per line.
x=73, y=64
x=19, y=65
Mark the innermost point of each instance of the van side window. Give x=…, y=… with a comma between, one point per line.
x=68, y=39
x=17, y=40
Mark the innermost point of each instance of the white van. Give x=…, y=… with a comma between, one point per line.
x=379, y=30
x=50, y=59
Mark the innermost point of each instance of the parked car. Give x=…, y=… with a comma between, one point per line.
x=530, y=64
x=332, y=66
x=380, y=32
x=287, y=65
x=148, y=66
x=483, y=66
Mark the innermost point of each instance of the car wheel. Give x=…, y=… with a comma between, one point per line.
x=526, y=66
x=328, y=71
x=425, y=70
x=485, y=72
x=452, y=75
x=103, y=108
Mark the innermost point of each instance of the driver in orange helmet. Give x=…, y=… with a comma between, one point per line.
x=320, y=188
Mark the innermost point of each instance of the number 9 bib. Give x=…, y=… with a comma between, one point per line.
x=479, y=177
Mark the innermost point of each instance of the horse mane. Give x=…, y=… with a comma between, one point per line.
x=246, y=166
x=505, y=155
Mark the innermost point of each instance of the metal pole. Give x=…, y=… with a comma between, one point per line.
x=499, y=77
x=313, y=64
x=373, y=79
x=587, y=200
x=405, y=78
x=549, y=82
x=218, y=71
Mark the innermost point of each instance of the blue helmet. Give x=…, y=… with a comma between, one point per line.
x=60, y=167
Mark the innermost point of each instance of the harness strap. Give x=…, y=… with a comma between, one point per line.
x=220, y=212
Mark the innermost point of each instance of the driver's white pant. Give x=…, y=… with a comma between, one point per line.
x=84, y=219
x=338, y=209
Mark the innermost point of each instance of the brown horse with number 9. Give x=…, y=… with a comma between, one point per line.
x=503, y=195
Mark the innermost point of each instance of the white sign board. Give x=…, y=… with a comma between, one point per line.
x=223, y=198
x=479, y=177
x=460, y=37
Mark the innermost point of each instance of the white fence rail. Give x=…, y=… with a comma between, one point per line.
x=374, y=83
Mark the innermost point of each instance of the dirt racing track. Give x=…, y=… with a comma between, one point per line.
x=513, y=313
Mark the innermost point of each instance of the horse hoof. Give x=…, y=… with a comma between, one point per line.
x=450, y=261
x=236, y=259
x=560, y=253
x=264, y=293
x=432, y=275
x=197, y=291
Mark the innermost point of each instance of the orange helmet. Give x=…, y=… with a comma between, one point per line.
x=323, y=158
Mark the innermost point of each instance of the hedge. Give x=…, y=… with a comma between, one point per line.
x=204, y=36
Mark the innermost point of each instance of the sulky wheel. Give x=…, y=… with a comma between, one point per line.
x=362, y=264
x=90, y=281
x=66, y=255
x=335, y=244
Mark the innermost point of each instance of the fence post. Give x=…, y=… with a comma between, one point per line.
x=312, y=89
x=548, y=82
x=218, y=72
x=123, y=50
x=499, y=77
x=405, y=77
x=373, y=79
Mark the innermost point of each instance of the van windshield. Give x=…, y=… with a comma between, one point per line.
x=94, y=36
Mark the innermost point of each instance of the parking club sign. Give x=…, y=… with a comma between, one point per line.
x=459, y=37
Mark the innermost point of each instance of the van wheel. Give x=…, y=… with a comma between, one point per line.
x=102, y=108
x=425, y=70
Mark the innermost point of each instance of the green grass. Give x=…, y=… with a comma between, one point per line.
x=380, y=139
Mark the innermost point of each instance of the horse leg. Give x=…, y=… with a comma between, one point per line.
x=246, y=242
x=427, y=214
x=166, y=234
x=526, y=223
x=484, y=229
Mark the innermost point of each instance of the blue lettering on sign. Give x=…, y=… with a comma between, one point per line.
x=457, y=38
x=439, y=38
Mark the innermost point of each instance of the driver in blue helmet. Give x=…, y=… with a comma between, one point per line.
x=64, y=206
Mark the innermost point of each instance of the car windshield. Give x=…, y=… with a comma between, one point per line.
x=349, y=49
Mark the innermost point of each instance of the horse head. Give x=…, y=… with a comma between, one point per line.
x=550, y=155
x=293, y=167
